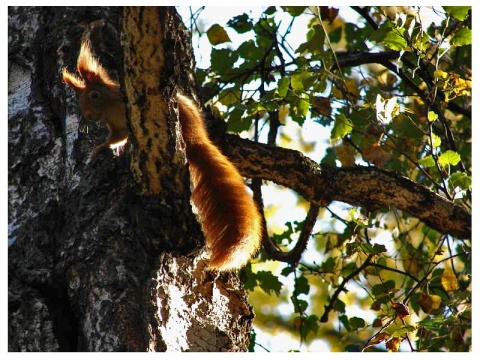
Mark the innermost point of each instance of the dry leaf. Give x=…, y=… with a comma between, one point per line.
x=428, y=303
x=321, y=105
x=328, y=13
x=393, y=344
x=377, y=339
x=377, y=322
x=376, y=155
x=346, y=154
x=401, y=310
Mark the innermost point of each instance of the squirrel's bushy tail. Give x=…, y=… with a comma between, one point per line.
x=230, y=219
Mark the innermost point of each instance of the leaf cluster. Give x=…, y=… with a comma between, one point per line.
x=393, y=90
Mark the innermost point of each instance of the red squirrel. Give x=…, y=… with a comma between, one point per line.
x=229, y=217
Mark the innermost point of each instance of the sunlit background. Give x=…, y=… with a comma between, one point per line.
x=282, y=205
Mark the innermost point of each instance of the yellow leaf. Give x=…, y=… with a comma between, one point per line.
x=449, y=280
x=352, y=89
x=283, y=113
x=412, y=264
x=432, y=116
x=217, y=35
x=439, y=74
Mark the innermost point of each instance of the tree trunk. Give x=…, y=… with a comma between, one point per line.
x=106, y=255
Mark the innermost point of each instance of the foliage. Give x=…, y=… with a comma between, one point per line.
x=393, y=89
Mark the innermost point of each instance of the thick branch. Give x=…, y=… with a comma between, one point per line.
x=351, y=59
x=370, y=187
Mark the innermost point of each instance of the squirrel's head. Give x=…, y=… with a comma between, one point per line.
x=96, y=90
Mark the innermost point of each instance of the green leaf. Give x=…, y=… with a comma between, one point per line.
x=236, y=122
x=449, y=157
x=378, y=249
x=342, y=127
x=269, y=282
x=462, y=37
x=371, y=250
x=222, y=60
x=250, y=278
x=357, y=323
x=299, y=305
x=307, y=325
x=297, y=80
x=339, y=306
x=230, y=97
x=427, y=161
x=312, y=322
x=344, y=320
x=391, y=36
x=294, y=10
x=250, y=51
x=349, y=268
x=379, y=34
x=458, y=12
x=328, y=265
x=384, y=288
x=461, y=180
x=402, y=331
x=336, y=35
x=253, y=339
x=270, y=10
x=282, y=87
x=287, y=270
x=217, y=35
x=301, y=107
x=315, y=41
x=302, y=286
x=241, y=23
x=395, y=39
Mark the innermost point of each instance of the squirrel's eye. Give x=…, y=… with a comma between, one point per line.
x=95, y=95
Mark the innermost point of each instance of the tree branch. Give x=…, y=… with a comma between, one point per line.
x=341, y=287
x=350, y=59
x=293, y=256
x=370, y=187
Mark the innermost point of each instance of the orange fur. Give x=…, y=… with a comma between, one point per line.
x=230, y=219
x=107, y=105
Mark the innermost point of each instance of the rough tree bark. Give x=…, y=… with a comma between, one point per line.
x=105, y=255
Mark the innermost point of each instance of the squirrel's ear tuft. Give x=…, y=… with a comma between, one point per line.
x=89, y=67
x=73, y=81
